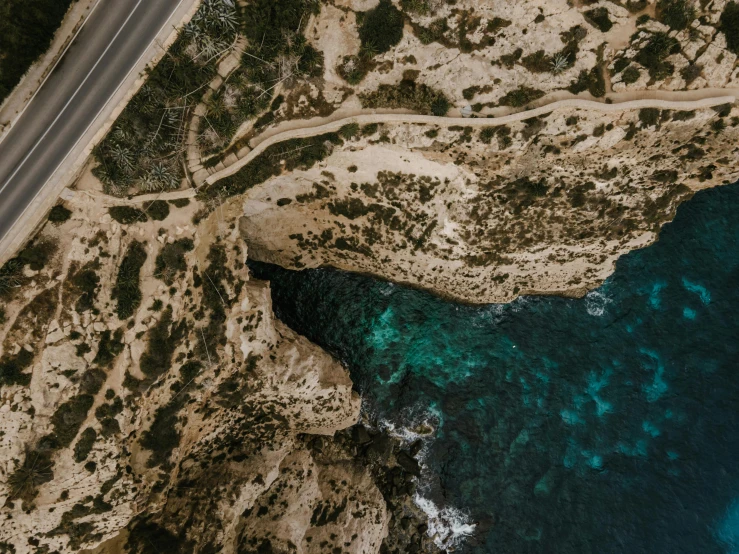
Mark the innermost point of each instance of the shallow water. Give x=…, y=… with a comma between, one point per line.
x=605, y=424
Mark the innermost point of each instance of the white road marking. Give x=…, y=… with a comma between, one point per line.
x=50, y=72
x=59, y=115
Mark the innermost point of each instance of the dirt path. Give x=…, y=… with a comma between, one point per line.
x=678, y=100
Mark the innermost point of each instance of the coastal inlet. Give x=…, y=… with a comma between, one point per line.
x=603, y=424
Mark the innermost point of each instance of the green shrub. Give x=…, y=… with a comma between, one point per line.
x=592, y=81
x=521, y=96
x=599, y=17
x=69, y=417
x=349, y=131
x=162, y=436
x=84, y=444
x=158, y=210
x=86, y=281
x=642, y=20
x=538, y=62
x=171, y=259
x=110, y=346
x=409, y=95
x=37, y=254
x=126, y=289
x=691, y=72
x=631, y=75
x=729, y=26
x=11, y=368
x=649, y=116
x=180, y=202
x=440, y=106
x=677, y=14
x=653, y=55
x=164, y=337
x=59, y=214
x=37, y=469
x=381, y=28
x=127, y=215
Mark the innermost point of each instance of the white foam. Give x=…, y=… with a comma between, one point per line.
x=596, y=302
x=448, y=526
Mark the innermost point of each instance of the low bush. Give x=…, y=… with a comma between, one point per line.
x=677, y=14
x=164, y=337
x=521, y=96
x=653, y=55
x=12, y=367
x=180, y=202
x=158, y=210
x=381, y=28
x=409, y=95
x=631, y=75
x=59, y=214
x=729, y=26
x=84, y=444
x=592, y=81
x=86, y=281
x=127, y=215
x=110, y=346
x=171, y=259
x=37, y=254
x=599, y=17
x=69, y=417
x=126, y=290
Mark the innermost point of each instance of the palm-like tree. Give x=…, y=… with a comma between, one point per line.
x=122, y=156
x=560, y=63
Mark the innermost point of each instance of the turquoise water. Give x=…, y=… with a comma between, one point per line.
x=606, y=424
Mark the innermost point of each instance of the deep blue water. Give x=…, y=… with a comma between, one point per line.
x=606, y=424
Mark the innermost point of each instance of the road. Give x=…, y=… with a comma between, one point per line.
x=108, y=47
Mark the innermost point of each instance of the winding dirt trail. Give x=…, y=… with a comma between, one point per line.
x=669, y=100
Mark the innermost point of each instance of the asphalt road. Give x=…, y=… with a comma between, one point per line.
x=98, y=61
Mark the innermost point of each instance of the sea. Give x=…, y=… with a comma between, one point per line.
x=606, y=424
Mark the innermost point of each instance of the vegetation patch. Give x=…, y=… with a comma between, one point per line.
x=86, y=283
x=164, y=338
x=677, y=14
x=158, y=210
x=215, y=300
x=127, y=215
x=110, y=346
x=180, y=202
x=126, y=290
x=69, y=417
x=171, y=259
x=592, y=81
x=12, y=368
x=381, y=28
x=600, y=18
x=84, y=444
x=37, y=469
x=729, y=26
x=653, y=55
x=521, y=96
x=409, y=95
x=59, y=214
